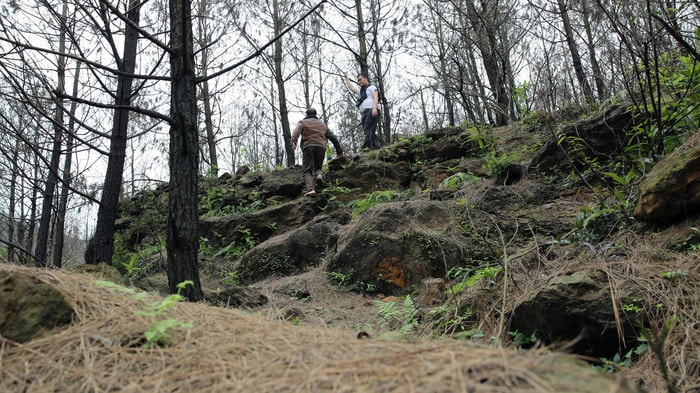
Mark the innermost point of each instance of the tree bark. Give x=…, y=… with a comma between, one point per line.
x=575, y=56
x=362, y=54
x=42, y=242
x=495, y=59
x=101, y=248
x=279, y=80
x=444, y=69
x=31, y=228
x=206, y=98
x=67, y=179
x=13, y=233
x=595, y=66
x=183, y=218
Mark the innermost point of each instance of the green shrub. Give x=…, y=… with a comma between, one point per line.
x=375, y=198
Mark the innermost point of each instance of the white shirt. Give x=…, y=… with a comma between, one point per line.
x=369, y=101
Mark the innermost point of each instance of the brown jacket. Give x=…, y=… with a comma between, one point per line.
x=314, y=132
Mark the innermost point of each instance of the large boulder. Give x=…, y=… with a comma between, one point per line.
x=370, y=175
x=259, y=225
x=671, y=191
x=579, y=308
x=293, y=252
x=101, y=271
x=600, y=136
x=393, y=247
x=29, y=306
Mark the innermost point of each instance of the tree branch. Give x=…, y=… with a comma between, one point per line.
x=677, y=37
x=262, y=48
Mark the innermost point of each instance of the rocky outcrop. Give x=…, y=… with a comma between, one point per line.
x=470, y=218
x=393, y=247
x=294, y=251
x=28, y=306
x=671, y=191
x=101, y=271
x=578, y=310
x=600, y=136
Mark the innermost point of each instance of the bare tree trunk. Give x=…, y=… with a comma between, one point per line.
x=183, y=218
x=279, y=153
x=67, y=179
x=12, y=232
x=362, y=54
x=321, y=95
x=444, y=70
x=42, y=242
x=377, y=50
x=484, y=21
x=386, y=112
x=575, y=56
x=305, y=71
x=424, y=112
x=101, y=248
x=31, y=229
x=279, y=79
x=597, y=72
x=206, y=98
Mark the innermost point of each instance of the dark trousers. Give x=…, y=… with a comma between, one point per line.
x=311, y=164
x=369, y=127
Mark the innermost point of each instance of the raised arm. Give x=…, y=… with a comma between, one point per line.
x=351, y=84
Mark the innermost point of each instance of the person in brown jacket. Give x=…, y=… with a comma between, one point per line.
x=314, y=133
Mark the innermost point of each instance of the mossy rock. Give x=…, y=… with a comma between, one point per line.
x=29, y=306
x=101, y=271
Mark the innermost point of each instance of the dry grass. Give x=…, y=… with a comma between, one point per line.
x=231, y=351
x=671, y=317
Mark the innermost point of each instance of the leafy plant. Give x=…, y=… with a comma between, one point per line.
x=632, y=308
x=332, y=191
x=230, y=279
x=341, y=279
x=212, y=202
x=690, y=242
x=521, y=95
x=623, y=190
x=673, y=274
x=618, y=362
x=483, y=136
x=597, y=223
x=406, y=316
x=458, y=180
x=205, y=248
x=521, y=340
x=375, y=198
x=495, y=163
x=454, y=322
x=468, y=280
x=159, y=332
x=237, y=248
x=346, y=283
x=675, y=112
x=139, y=262
x=130, y=267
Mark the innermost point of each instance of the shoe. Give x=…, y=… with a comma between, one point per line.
x=319, y=181
x=310, y=193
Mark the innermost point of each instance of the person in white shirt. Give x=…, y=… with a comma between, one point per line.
x=367, y=101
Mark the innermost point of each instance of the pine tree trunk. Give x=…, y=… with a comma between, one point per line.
x=182, y=231
x=101, y=247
